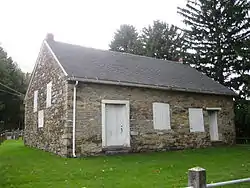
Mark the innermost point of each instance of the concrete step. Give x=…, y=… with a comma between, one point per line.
x=217, y=143
x=116, y=152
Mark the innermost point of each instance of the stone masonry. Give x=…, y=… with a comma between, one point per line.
x=53, y=136
x=56, y=135
x=143, y=136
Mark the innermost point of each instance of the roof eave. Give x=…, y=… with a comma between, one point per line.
x=109, y=82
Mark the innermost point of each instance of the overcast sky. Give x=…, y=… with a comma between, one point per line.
x=91, y=23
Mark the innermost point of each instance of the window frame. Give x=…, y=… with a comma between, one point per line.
x=49, y=95
x=35, y=101
x=193, y=113
x=159, y=108
x=40, y=119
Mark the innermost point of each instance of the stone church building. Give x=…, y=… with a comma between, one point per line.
x=83, y=101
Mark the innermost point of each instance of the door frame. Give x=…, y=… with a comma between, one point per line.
x=216, y=111
x=122, y=102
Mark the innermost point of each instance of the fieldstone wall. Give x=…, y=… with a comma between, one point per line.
x=143, y=136
x=55, y=135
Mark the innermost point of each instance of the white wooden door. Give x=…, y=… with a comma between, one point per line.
x=116, y=127
x=213, y=125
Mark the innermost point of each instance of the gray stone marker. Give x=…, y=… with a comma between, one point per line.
x=197, y=177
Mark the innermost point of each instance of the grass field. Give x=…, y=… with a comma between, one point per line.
x=25, y=167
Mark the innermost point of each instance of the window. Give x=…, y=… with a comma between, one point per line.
x=35, y=100
x=49, y=90
x=40, y=118
x=196, y=121
x=161, y=116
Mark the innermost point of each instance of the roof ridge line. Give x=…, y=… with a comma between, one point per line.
x=105, y=64
x=116, y=52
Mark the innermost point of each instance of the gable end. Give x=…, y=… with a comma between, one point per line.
x=43, y=46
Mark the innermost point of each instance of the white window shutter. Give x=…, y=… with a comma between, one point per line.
x=40, y=118
x=49, y=93
x=196, y=121
x=161, y=116
x=35, y=101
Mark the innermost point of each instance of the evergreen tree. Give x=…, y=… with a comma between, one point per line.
x=242, y=118
x=159, y=40
x=162, y=41
x=217, y=38
x=217, y=42
x=125, y=40
x=13, y=82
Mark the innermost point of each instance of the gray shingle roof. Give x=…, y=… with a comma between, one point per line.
x=88, y=63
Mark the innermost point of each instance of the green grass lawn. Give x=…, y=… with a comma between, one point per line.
x=25, y=167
